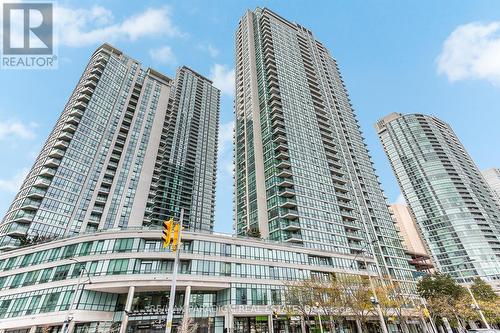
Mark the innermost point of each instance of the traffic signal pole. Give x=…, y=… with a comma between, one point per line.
x=171, y=300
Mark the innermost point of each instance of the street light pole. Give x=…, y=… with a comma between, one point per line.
x=73, y=299
x=171, y=301
x=483, y=318
x=319, y=317
x=377, y=304
x=375, y=301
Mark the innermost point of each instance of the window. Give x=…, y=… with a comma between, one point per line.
x=32, y=307
x=50, y=302
x=61, y=273
x=26, y=260
x=16, y=282
x=18, y=307
x=85, y=248
x=77, y=270
x=123, y=245
x=4, y=305
x=69, y=251
x=241, y=296
x=10, y=263
x=31, y=278
x=66, y=300
x=54, y=255
x=118, y=266
x=46, y=275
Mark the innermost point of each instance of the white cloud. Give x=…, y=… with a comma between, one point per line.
x=13, y=184
x=77, y=27
x=223, y=78
x=209, y=48
x=472, y=51
x=16, y=129
x=163, y=55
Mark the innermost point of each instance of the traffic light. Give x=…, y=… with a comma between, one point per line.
x=176, y=239
x=275, y=314
x=167, y=232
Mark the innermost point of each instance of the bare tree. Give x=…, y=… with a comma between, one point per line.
x=187, y=325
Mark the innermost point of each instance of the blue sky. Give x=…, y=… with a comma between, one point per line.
x=435, y=57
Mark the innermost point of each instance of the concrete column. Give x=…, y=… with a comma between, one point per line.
x=128, y=307
x=447, y=325
x=32, y=329
x=71, y=325
x=270, y=323
x=187, y=296
x=228, y=319
x=302, y=325
x=472, y=324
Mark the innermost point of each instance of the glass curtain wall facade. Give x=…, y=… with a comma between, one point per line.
x=103, y=166
x=303, y=174
x=188, y=167
x=454, y=208
x=492, y=177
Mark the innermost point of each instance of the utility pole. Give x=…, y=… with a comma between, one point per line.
x=65, y=327
x=171, y=300
x=374, y=301
x=476, y=306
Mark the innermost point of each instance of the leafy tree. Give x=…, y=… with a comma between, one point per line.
x=483, y=291
x=439, y=285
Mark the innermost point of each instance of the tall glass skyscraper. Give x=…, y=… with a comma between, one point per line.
x=492, y=177
x=303, y=172
x=106, y=162
x=450, y=200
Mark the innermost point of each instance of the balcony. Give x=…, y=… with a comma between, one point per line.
x=42, y=182
x=279, y=131
x=351, y=224
x=36, y=193
x=290, y=214
x=87, y=90
x=285, y=173
x=291, y=226
x=107, y=181
x=18, y=232
x=47, y=172
x=76, y=113
x=66, y=136
x=280, y=139
x=277, y=115
x=281, y=147
x=61, y=144
x=353, y=235
x=70, y=128
x=56, y=153
x=23, y=217
x=80, y=106
x=101, y=199
x=293, y=238
x=286, y=182
x=30, y=204
x=277, y=123
x=282, y=155
x=52, y=162
x=288, y=203
x=83, y=98
x=287, y=192
x=283, y=164
x=73, y=120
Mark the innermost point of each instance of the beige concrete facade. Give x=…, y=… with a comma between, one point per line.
x=412, y=239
